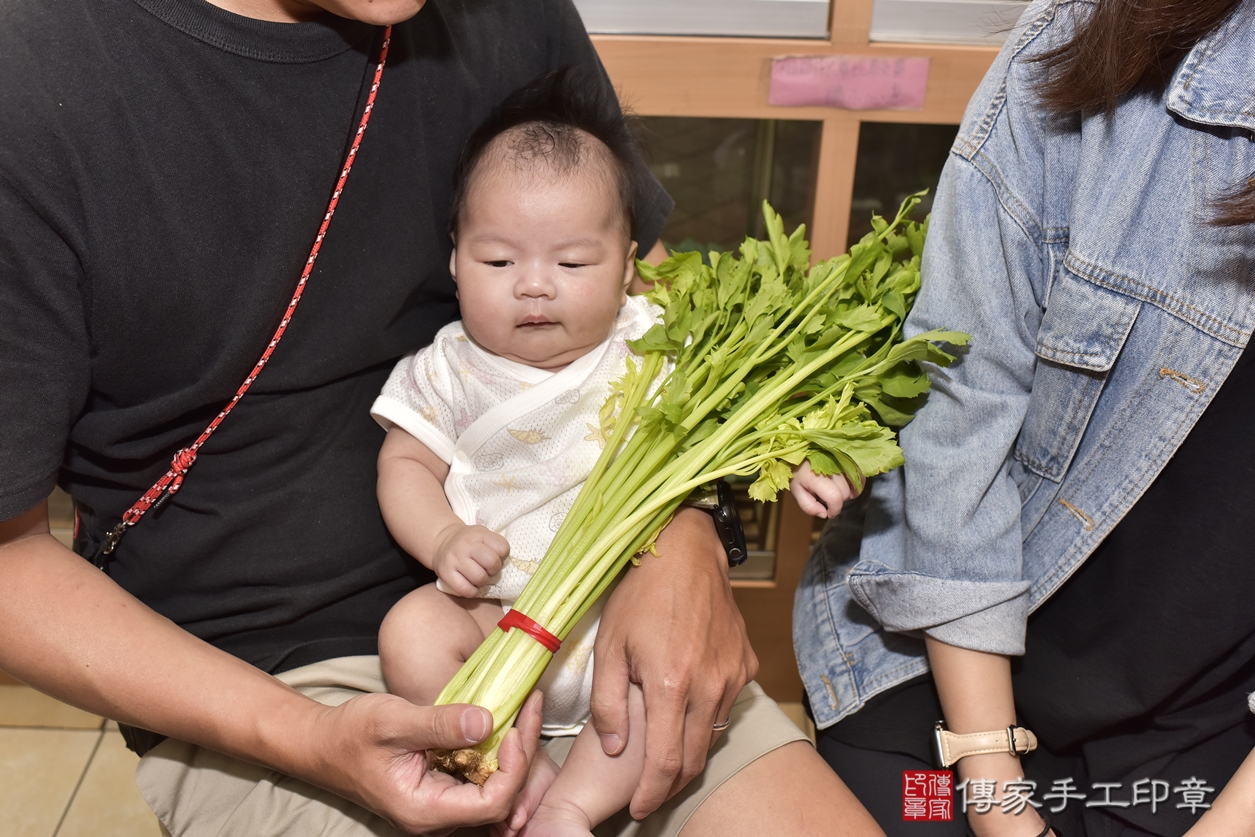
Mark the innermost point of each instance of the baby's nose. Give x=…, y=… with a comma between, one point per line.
x=536, y=284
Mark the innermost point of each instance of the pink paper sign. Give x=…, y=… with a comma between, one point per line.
x=854, y=82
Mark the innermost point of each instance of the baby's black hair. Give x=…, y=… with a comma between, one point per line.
x=551, y=111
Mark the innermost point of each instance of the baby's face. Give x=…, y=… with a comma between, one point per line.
x=542, y=263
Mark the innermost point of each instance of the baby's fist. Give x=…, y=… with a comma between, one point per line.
x=467, y=557
x=820, y=496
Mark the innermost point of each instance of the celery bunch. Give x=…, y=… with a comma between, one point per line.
x=772, y=365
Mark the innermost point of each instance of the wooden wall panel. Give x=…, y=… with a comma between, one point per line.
x=838, y=149
x=730, y=76
x=767, y=607
x=849, y=21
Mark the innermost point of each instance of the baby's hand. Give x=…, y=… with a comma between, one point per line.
x=467, y=556
x=820, y=496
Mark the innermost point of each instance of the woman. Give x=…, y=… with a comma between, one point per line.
x=1081, y=462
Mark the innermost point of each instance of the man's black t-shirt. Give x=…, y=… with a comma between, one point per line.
x=164, y=166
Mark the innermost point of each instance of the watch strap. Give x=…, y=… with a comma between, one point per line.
x=718, y=499
x=952, y=746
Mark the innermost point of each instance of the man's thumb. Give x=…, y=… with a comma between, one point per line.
x=458, y=725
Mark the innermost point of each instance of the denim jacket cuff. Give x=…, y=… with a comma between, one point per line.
x=981, y=615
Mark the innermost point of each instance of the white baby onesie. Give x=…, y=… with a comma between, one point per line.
x=520, y=442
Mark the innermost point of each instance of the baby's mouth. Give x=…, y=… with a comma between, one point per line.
x=535, y=321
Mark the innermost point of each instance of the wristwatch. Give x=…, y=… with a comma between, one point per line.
x=717, y=498
x=949, y=747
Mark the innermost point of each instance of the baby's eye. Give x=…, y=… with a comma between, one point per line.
x=499, y=263
x=571, y=264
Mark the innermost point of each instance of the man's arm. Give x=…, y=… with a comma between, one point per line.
x=69, y=631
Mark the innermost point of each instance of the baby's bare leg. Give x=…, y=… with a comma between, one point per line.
x=427, y=636
x=591, y=786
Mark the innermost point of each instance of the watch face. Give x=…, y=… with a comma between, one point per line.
x=706, y=497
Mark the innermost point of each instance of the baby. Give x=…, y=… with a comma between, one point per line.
x=493, y=428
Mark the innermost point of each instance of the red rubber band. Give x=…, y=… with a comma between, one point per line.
x=529, y=626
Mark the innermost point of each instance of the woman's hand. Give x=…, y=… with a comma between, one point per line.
x=1233, y=812
x=1000, y=768
x=672, y=626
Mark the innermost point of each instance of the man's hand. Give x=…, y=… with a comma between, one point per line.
x=374, y=754
x=672, y=626
x=467, y=556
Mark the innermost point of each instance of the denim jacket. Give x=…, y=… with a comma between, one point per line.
x=1105, y=312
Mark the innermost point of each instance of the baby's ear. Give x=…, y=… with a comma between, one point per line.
x=629, y=269
x=453, y=262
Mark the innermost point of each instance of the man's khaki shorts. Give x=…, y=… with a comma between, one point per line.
x=198, y=793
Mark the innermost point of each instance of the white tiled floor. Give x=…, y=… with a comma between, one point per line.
x=67, y=773
x=107, y=794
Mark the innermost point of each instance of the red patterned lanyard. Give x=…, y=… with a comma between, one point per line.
x=168, y=485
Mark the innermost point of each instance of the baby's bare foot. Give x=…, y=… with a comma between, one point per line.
x=557, y=820
x=544, y=771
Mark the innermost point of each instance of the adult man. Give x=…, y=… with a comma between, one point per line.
x=164, y=165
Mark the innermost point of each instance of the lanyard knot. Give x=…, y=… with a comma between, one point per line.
x=179, y=466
